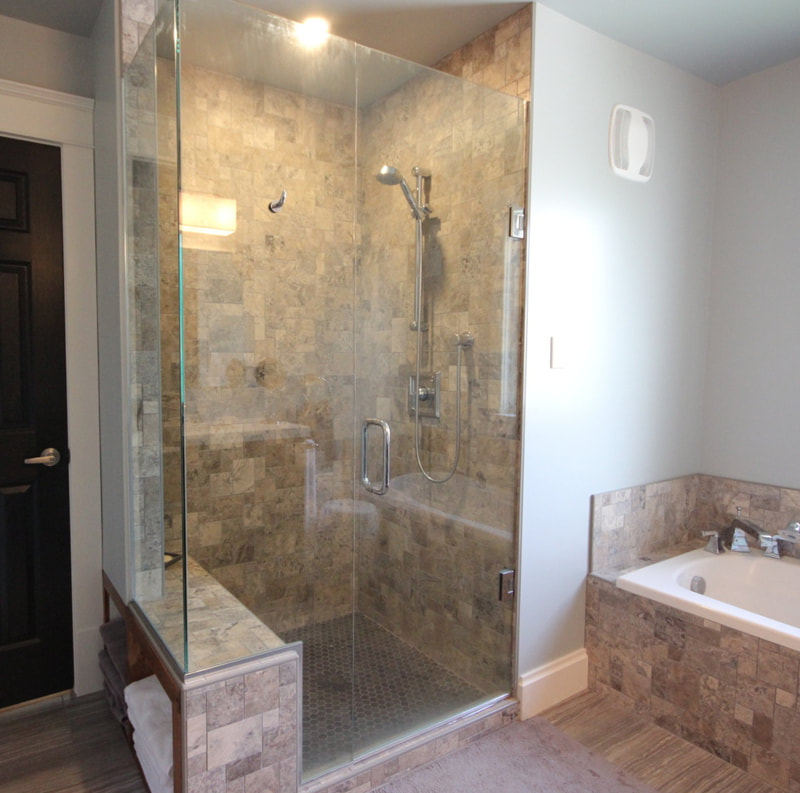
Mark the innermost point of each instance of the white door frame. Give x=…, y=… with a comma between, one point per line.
x=67, y=121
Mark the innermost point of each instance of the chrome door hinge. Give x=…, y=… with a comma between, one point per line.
x=516, y=223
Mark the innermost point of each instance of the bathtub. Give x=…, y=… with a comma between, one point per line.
x=745, y=591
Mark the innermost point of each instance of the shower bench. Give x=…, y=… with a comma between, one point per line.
x=231, y=696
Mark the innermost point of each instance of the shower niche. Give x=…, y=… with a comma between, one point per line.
x=272, y=279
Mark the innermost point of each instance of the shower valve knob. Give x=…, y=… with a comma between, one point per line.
x=425, y=394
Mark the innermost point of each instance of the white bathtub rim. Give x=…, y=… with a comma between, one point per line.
x=657, y=582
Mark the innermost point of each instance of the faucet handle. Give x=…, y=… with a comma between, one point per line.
x=770, y=546
x=714, y=544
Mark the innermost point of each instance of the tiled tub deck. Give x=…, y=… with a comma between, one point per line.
x=728, y=692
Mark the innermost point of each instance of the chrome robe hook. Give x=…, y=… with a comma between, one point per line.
x=277, y=206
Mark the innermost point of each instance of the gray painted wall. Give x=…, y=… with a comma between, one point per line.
x=754, y=378
x=619, y=275
x=46, y=58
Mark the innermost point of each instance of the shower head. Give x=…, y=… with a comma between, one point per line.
x=388, y=174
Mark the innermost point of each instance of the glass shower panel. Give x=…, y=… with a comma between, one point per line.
x=441, y=162
x=154, y=323
x=267, y=128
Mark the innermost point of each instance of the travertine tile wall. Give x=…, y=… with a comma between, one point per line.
x=500, y=58
x=136, y=17
x=630, y=524
x=269, y=347
x=730, y=693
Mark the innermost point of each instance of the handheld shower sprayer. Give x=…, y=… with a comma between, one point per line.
x=389, y=175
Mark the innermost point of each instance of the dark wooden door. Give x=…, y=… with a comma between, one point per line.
x=35, y=588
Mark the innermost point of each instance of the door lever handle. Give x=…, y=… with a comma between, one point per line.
x=49, y=457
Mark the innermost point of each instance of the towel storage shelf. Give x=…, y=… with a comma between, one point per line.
x=145, y=658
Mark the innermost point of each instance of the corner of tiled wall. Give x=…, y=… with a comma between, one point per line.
x=136, y=18
x=500, y=58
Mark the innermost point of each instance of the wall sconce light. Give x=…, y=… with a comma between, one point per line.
x=204, y=213
x=631, y=143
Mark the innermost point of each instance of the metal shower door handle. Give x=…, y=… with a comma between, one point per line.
x=380, y=489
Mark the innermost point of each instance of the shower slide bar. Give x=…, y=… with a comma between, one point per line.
x=377, y=489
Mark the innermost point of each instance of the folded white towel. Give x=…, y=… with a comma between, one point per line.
x=150, y=713
x=157, y=780
x=145, y=696
x=156, y=741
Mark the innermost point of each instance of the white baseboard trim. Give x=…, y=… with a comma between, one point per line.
x=552, y=683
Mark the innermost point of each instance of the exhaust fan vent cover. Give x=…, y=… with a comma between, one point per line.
x=631, y=143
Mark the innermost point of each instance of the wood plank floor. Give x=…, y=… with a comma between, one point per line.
x=649, y=753
x=79, y=748
x=76, y=747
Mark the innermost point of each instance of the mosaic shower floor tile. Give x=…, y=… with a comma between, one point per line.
x=364, y=687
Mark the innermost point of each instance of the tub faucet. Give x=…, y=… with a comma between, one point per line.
x=735, y=535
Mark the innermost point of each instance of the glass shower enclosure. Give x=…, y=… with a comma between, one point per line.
x=324, y=292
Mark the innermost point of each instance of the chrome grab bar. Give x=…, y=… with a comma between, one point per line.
x=379, y=490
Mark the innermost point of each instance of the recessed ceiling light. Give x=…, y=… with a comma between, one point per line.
x=313, y=32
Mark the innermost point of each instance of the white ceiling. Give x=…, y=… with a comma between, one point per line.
x=719, y=40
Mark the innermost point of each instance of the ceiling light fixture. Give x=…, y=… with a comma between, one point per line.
x=313, y=32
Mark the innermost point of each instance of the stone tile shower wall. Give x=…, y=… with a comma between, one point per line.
x=242, y=732
x=269, y=356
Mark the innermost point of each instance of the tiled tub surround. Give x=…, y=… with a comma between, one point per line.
x=726, y=691
x=637, y=524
